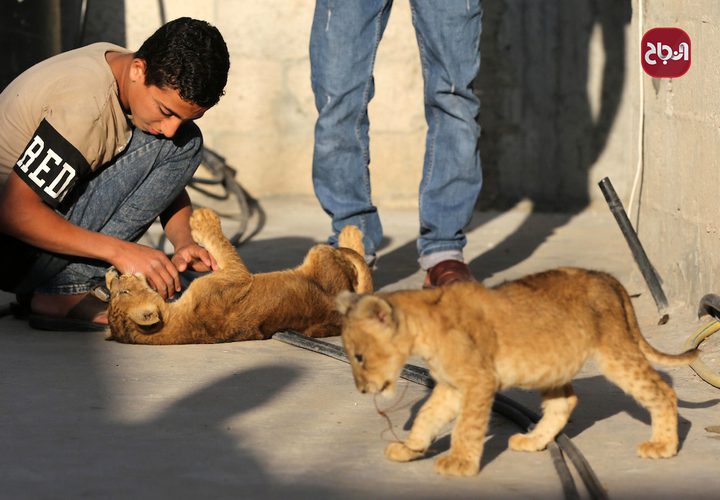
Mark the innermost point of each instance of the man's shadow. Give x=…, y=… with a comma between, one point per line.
x=63, y=429
x=540, y=135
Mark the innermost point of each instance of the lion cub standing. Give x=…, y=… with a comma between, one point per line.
x=233, y=304
x=533, y=333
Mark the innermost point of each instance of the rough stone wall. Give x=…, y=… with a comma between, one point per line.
x=679, y=217
x=264, y=124
x=555, y=111
x=29, y=32
x=553, y=87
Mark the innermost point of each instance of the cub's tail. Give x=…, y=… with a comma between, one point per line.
x=351, y=245
x=652, y=354
x=655, y=356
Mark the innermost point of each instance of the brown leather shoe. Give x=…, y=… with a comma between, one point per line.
x=446, y=272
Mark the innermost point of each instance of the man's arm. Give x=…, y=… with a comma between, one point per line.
x=26, y=217
x=176, y=221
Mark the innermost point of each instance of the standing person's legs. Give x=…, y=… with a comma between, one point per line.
x=343, y=43
x=121, y=200
x=448, y=35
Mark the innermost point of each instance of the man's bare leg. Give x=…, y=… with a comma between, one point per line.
x=82, y=306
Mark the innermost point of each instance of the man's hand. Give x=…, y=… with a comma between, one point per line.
x=195, y=257
x=161, y=273
x=176, y=221
x=38, y=225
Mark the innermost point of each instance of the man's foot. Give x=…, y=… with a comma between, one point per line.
x=76, y=308
x=446, y=272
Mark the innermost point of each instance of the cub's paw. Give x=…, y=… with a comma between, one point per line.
x=657, y=449
x=450, y=465
x=349, y=235
x=203, y=220
x=398, y=452
x=524, y=442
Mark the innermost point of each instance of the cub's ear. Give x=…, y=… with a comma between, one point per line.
x=145, y=315
x=111, y=278
x=378, y=309
x=345, y=301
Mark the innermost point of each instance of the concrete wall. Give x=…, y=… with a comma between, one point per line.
x=29, y=32
x=556, y=96
x=553, y=86
x=264, y=125
x=679, y=219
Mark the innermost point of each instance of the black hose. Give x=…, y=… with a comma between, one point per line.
x=591, y=481
x=502, y=405
x=563, y=471
x=641, y=258
x=710, y=305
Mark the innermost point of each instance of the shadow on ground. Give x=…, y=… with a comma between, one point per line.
x=262, y=256
x=400, y=263
x=588, y=390
x=56, y=404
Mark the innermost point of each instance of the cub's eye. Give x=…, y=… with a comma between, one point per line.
x=359, y=358
x=124, y=292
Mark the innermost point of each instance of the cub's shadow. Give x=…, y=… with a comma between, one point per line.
x=598, y=399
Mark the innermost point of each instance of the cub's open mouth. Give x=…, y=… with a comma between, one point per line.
x=149, y=329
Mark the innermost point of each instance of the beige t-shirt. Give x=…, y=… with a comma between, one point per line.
x=62, y=119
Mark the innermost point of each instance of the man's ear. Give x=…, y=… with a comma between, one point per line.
x=345, y=301
x=137, y=70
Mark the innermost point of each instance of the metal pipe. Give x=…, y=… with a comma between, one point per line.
x=651, y=277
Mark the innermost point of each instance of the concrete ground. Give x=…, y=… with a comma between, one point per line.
x=85, y=418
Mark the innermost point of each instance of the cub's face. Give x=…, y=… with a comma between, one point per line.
x=368, y=330
x=131, y=298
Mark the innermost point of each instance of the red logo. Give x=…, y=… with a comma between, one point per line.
x=665, y=52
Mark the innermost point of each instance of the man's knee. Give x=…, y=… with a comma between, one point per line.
x=188, y=137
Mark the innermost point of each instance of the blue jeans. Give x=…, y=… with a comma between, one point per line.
x=343, y=43
x=122, y=199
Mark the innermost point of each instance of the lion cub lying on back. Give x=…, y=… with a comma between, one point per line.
x=233, y=304
x=534, y=333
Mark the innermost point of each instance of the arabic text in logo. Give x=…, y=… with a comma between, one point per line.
x=665, y=52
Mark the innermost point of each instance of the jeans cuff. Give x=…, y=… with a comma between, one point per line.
x=431, y=259
x=65, y=289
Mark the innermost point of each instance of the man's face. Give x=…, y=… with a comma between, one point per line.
x=158, y=111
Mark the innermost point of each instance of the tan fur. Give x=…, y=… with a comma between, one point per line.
x=232, y=304
x=533, y=333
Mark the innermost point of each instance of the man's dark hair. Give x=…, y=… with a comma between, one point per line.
x=190, y=56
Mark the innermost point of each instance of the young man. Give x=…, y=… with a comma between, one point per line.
x=95, y=144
